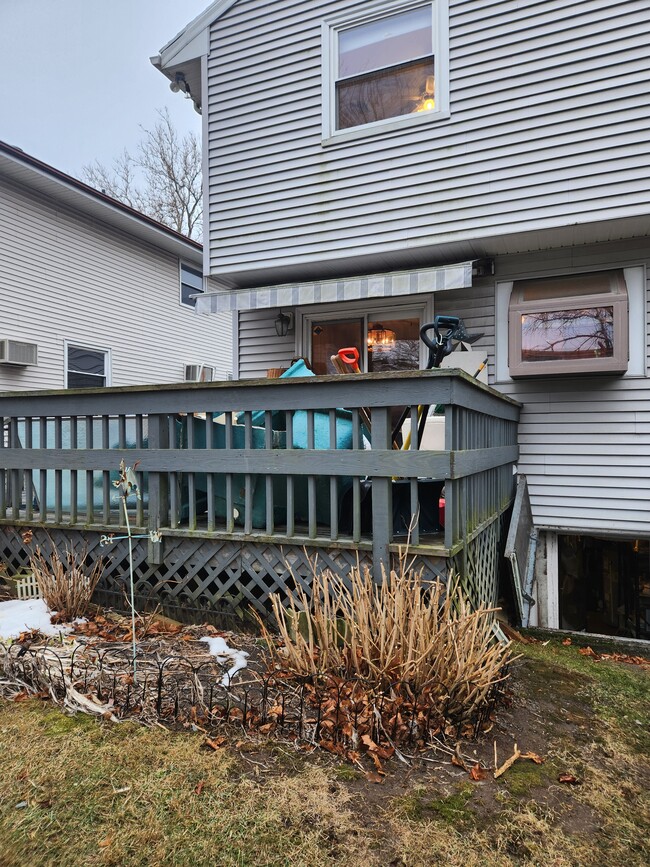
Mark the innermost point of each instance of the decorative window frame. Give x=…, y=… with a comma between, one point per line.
x=374, y=12
x=75, y=344
x=191, y=304
x=635, y=279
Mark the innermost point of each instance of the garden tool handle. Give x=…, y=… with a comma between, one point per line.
x=350, y=355
x=424, y=336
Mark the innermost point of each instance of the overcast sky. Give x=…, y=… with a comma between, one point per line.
x=77, y=80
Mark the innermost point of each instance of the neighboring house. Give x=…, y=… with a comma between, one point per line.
x=93, y=293
x=355, y=152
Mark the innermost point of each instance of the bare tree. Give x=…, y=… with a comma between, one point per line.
x=162, y=179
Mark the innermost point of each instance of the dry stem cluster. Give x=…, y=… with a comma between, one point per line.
x=66, y=581
x=422, y=635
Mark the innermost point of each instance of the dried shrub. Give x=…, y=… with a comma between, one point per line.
x=66, y=582
x=404, y=633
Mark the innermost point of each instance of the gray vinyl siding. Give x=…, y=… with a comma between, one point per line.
x=65, y=277
x=549, y=127
x=584, y=442
x=260, y=348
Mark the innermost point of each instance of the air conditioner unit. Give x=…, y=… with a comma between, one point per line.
x=199, y=373
x=17, y=352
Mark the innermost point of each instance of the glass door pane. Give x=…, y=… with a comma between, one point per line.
x=328, y=337
x=393, y=344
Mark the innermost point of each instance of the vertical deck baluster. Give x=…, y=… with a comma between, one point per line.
x=230, y=505
x=122, y=444
x=357, y=444
x=414, y=490
x=28, y=475
x=42, y=442
x=90, y=476
x=74, y=480
x=3, y=471
x=106, y=474
x=16, y=480
x=248, y=479
x=121, y=431
x=451, y=485
x=268, y=445
x=174, y=435
x=139, y=445
x=311, y=480
x=191, y=478
x=9, y=473
x=161, y=431
x=209, y=481
x=58, y=474
x=334, y=483
x=382, y=496
x=291, y=515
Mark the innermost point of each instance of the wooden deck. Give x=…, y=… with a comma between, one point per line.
x=265, y=469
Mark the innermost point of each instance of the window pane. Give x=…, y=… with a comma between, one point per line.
x=390, y=41
x=86, y=360
x=85, y=380
x=401, y=352
x=191, y=284
x=382, y=95
x=568, y=334
x=328, y=337
x=595, y=283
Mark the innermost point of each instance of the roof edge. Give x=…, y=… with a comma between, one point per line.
x=109, y=202
x=169, y=51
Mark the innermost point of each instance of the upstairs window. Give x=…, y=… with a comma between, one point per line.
x=86, y=368
x=386, y=68
x=569, y=325
x=191, y=284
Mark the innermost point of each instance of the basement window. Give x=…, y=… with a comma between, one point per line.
x=569, y=325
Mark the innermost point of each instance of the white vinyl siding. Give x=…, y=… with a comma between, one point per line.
x=64, y=277
x=550, y=108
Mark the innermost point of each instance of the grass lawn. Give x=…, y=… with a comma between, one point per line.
x=75, y=791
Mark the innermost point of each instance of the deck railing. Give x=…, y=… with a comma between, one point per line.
x=297, y=460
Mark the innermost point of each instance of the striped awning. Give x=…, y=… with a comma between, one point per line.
x=457, y=276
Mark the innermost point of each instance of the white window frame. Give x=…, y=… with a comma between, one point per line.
x=330, y=30
x=196, y=268
x=76, y=344
x=635, y=278
x=308, y=317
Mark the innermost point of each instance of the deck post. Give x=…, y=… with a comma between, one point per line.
x=382, y=497
x=158, y=505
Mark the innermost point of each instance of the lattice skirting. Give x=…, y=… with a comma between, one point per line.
x=478, y=565
x=200, y=578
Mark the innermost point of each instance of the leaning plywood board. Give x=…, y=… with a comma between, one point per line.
x=520, y=551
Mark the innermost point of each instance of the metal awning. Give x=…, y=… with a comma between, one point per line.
x=456, y=276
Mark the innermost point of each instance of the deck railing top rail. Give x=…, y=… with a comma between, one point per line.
x=449, y=386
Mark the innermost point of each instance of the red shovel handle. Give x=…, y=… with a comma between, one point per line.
x=350, y=355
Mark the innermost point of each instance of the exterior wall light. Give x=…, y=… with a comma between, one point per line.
x=283, y=323
x=179, y=84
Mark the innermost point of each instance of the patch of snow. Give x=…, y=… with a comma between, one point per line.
x=23, y=615
x=220, y=648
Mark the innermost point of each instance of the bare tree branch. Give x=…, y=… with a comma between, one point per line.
x=162, y=179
